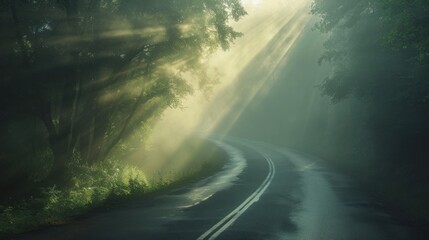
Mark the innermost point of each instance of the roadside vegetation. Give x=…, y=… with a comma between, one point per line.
x=101, y=185
x=83, y=82
x=380, y=53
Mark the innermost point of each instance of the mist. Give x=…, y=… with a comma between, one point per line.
x=244, y=72
x=105, y=100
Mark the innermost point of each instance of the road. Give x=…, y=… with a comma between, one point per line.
x=263, y=192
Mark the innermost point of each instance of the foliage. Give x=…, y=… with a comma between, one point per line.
x=83, y=81
x=91, y=72
x=97, y=184
x=379, y=50
x=92, y=186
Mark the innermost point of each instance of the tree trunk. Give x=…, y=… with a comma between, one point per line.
x=128, y=125
x=58, y=146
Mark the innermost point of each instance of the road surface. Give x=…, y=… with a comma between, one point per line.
x=263, y=192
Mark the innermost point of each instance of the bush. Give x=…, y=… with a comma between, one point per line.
x=91, y=187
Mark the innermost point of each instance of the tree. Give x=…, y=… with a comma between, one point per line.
x=379, y=49
x=91, y=71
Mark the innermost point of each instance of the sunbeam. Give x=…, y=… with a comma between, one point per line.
x=270, y=31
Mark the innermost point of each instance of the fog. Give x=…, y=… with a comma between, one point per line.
x=112, y=95
x=245, y=73
x=338, y=83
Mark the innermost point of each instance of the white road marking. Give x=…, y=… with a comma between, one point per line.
x=227, y=221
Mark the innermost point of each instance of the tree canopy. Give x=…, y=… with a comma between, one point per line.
x=379, y=50
x=80, y=76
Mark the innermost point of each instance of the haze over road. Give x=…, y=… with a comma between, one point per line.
x=105, y=108
x=263, y=192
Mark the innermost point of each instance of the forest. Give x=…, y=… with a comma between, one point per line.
x=380, y=55
x=84, y=82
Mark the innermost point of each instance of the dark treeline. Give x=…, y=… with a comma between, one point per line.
x=80, y=76
x=380, y=54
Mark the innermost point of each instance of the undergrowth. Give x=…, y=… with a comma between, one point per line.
x=95, y=185
x=91, y=187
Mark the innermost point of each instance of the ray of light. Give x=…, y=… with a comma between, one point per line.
x=245, y=71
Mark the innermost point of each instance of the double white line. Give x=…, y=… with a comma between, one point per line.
x=227, y=221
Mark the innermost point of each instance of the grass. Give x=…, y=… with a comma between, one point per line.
x=100, y=185
x=92, y=186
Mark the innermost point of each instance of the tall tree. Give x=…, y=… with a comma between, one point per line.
x=93, y=70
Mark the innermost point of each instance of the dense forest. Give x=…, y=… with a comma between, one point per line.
x=379, y=51
x=83, y=81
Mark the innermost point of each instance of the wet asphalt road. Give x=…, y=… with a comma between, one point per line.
x=262, y=193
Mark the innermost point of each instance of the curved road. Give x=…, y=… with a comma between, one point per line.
x=263, y=192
